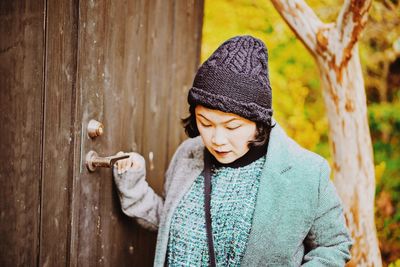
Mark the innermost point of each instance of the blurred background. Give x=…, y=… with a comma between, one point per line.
x=297, y=96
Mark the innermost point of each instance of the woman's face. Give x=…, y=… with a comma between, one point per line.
x=225, y=135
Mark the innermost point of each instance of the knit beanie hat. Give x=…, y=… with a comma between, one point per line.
x=235, y=79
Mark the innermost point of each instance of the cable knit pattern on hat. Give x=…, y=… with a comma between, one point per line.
x=235, y=79
x=243, y=54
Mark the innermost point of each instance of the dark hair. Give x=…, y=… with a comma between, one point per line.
x=262, y=129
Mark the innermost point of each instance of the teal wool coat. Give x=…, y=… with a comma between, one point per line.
x=298, y=218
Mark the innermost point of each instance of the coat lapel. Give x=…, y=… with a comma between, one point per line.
x=269, y=199
x=189, y=168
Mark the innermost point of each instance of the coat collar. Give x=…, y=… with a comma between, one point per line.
x=278, y=155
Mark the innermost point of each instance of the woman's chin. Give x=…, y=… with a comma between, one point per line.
x=225, y=158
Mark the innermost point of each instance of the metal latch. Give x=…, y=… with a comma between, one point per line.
x=93, y=160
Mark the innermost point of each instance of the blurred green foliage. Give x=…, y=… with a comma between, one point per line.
x=297, y=98
x=384, y=120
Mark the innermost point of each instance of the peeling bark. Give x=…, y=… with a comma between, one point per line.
x=353, y=158
x=334, y=46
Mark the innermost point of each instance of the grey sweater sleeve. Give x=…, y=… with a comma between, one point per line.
x=138, y=199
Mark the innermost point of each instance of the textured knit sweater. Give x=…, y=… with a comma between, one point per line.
x=233, y=196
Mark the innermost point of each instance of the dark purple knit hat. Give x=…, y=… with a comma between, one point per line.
x=235, y=79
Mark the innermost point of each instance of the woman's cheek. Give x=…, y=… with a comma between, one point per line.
x=206, y=134
x=241, y=133
x=240, y=137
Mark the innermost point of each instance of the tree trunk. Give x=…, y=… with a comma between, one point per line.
x=334, y=46
x=352, y=152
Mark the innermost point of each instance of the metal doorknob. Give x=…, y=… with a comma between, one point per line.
x=95, y=128
x=93, y=160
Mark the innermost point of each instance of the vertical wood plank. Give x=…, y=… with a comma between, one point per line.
x=157, y=90
x=188, y=21
x=123, y=241
x=112, y=41
x=87, y=220
x=58, y=137
x=21, y=82
x=123, y=80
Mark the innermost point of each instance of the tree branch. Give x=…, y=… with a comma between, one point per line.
x=302, y=19
x=349, y=25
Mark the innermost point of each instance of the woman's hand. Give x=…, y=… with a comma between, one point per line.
x=134, y=161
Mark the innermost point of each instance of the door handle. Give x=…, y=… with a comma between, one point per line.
x=93, y=160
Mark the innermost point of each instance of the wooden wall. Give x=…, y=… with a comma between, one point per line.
x=21, y=130
x=128, y=64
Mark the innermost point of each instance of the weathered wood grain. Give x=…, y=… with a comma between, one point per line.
x=21, y=117
x=188, y=18
x=58, y=135
x=127, y=64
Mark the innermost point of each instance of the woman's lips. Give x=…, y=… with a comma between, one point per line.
x=222, y=153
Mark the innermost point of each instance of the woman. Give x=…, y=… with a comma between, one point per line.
x=239, y=192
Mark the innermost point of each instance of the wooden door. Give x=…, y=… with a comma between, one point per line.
x=127, y=64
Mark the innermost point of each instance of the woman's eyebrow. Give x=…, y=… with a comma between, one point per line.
x=203, y=117
x=222, y=122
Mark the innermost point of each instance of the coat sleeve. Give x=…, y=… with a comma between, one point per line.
x=138, y=199
x=328, y=243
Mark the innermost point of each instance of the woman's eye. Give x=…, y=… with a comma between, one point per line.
x=205, y=125
x=232, y=127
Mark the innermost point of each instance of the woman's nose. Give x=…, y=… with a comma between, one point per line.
x=218, y=137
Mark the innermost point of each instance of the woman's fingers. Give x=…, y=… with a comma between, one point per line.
x=124, y=164
x=120, y=163
x=120, y=153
